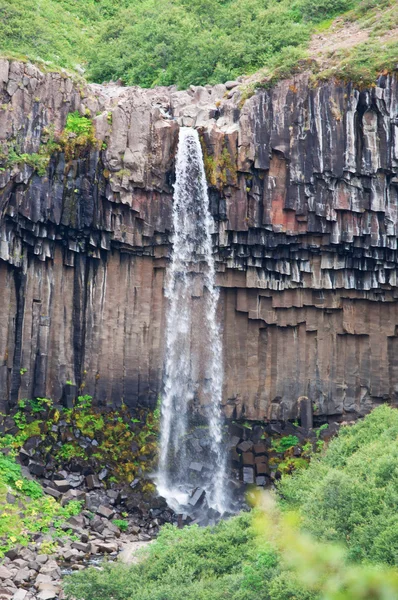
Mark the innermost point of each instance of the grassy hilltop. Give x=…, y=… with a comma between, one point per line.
x=183, y=42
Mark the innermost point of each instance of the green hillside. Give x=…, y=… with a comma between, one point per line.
x=183, y=42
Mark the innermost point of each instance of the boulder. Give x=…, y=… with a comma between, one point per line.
x=48, y=594
x=52, y=492
x=248, y=475
x=81, y=547
x=41, y=578
x=97, y=524
x=51, y=568
x=4, y=572
x=197, y=497
x=262, y=468
x=245, y=446
x=106, y=547
x=36, y=468
x=61, y=485
x=92, y=482
x=260, y=448
x=22, y=575
x=248, y=458
x=105, y=511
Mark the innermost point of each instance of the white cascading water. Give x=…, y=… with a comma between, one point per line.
x=192, y=263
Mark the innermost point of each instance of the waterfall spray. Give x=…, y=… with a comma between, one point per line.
x=191, y=268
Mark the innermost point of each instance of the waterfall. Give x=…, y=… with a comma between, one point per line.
x=193, y=338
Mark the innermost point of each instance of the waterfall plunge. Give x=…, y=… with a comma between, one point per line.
x=193, y=340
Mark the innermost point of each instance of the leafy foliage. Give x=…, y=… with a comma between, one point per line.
x=78, y=124
x=32, y=511
x=187, y=564
x=11, y=475
x=349, y=493
x=289, y=441
x=77, y=137
x=362, y=62
x=163, y=42
x=123, y=525
x=127, y=446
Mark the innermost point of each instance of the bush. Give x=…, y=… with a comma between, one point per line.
x=32, y=513
x=11, y=475
x=163, y=42
x=123, y=525
x=322, y=9
x=184, y=564
x=350, y=493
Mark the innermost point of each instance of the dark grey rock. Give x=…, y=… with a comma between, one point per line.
x=36, y=468
x=196, y=466
x=248, y=475
x=52, y=492
x=103, y=474
x=82, y=547
x=306, y=412
x=105, y=511
x=197, y=497
x=92, y=482
x=245, y=446
x=61, y=485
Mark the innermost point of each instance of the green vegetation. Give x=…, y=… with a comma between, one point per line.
x=183, y=42
x=10, y=155
x=77, y=137
x=123, y=525
x=348, y=495
x=127, y=446
x=30, y=512
x=285, y=443
x=75, y=140
x=362, y=62
x=184, y=564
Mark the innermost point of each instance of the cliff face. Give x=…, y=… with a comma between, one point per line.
x=303, y=188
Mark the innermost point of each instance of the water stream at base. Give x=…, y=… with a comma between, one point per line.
x=193, y=346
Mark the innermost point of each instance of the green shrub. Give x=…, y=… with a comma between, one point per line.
x=349, y=493
x=285, y=443
x=78, y=124
x=320, y=10
x=11, y=475
x=164, y=42
x=123, y=525
x=183, y=564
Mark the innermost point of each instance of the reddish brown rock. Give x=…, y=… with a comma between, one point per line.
x=248, y=458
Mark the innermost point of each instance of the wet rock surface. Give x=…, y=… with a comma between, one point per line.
x=303, y=189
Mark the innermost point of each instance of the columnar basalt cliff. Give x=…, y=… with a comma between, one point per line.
x=304, y=192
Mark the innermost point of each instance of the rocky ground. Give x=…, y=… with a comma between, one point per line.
x=29, y=572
